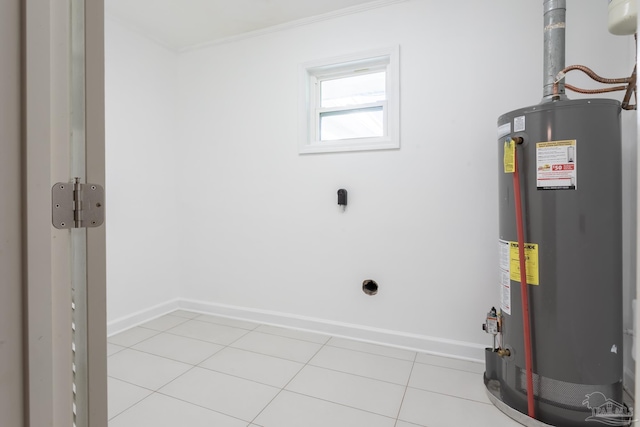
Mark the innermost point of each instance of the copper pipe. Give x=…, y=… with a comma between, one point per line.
x=594, y=76
x=631, y=88
x=593, y=91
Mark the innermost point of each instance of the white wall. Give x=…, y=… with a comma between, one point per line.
x=141, y=147
x=236, y=222
x=265, y=234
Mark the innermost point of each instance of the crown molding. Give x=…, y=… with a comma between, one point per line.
x=293, y=24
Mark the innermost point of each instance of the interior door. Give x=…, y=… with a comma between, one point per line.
x=11, y=341
x=52, y=286
x=87, y=245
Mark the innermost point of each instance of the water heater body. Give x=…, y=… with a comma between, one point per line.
x=570, y=171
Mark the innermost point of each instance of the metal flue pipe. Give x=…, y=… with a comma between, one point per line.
x=555, y=12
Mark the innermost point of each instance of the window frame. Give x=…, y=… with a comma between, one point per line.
x=312, y=74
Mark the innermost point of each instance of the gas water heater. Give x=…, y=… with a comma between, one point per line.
x=569, y=161
x=557, y=353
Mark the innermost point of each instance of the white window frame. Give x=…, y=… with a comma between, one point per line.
x=313, y=73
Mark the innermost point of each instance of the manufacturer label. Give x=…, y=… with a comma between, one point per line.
x=519, y=124
x=557, y=165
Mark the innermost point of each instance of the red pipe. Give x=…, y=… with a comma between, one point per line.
x=524, y=289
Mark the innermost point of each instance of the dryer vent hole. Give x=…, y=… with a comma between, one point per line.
x=370, y=287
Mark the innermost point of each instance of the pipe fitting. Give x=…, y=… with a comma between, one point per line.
x=503, y=352
x=550, y=5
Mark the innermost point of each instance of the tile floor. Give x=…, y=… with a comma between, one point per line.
x=190, y=370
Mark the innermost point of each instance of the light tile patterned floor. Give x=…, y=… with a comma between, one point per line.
x=192, y=370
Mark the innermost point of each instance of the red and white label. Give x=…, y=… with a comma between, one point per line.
x=568, y=167
x=557, y=165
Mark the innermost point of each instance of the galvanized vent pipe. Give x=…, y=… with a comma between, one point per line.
x=555, y=12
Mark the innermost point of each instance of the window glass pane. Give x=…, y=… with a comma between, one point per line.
x=363, y=123
x=353, y=90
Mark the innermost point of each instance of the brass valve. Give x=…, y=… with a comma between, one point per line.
x=503, y=352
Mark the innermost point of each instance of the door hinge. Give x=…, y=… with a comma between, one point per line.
x=76, y=205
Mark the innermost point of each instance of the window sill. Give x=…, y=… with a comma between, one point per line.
x=365, y=144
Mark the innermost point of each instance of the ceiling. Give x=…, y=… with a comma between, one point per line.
x=180, y=24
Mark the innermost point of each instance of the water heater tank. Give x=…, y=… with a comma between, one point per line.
x=623, y=17
x=570, y=169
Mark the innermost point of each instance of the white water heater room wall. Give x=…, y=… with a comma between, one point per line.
x=212, y=208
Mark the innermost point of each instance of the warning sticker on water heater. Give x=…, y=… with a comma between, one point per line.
x=505, y=281
x=509, y=268
x=557, y=165
x=531, y=262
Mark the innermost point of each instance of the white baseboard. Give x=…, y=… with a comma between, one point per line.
x=126, y=322
x=433, y=345
x=423, y=343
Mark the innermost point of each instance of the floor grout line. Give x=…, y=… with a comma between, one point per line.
x=288, y=382
x=130, y=383
x=452, y=369
x=293, y=338
x=137, y=342
x=168, y=358
x=370, y=352
x=452, y=395
x=225, y=324
x=236, y=376
x=246, y=331
x=129, y=407
x=356, y=375
x=212, y=323
x=340, y=404
x=405, y=390
x=200, y=406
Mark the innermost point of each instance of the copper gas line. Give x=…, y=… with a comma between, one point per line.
x=594, y=91
x=630, y=86
x=588, y=71
x=633, y=85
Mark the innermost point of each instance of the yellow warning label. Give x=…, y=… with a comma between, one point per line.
x=531, y=256
x=509, y=155
x=567, y=143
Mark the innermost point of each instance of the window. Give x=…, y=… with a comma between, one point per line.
x=350, y=103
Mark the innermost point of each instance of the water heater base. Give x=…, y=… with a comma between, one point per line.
x=493, y=392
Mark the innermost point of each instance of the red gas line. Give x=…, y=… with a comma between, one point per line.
x=524, y=289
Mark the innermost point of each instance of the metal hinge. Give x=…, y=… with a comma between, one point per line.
x=76, y=205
